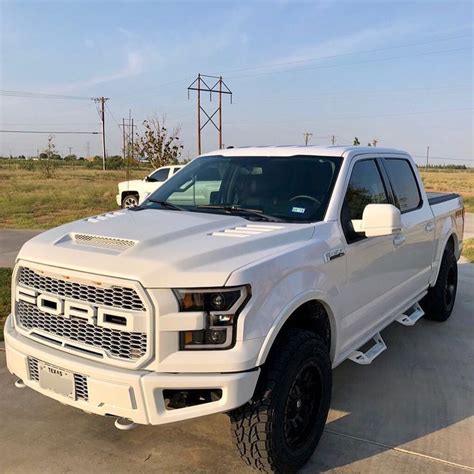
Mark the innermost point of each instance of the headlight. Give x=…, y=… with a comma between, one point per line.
x=222, y=307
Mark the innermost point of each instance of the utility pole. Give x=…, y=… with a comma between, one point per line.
x=307, y=137
x=427, y=156
x=203, y=84
x=101, y=102
x=333, y=140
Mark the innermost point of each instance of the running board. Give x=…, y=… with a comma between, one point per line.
x=365, y=358
x=411, y=315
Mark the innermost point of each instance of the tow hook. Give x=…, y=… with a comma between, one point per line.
x=19, y=383
x=125, y=424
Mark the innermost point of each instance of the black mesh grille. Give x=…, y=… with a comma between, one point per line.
x=116, y=296
x=125, y=345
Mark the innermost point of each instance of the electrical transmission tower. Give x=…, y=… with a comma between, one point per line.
x=307, y=137
x=128, y=140
x=219, y=87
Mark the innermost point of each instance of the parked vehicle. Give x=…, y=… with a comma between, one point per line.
x=131, y=193
x=236, y=287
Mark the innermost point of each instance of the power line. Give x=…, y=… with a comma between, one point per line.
x=53, y=133
x=322, y=66
x=316, y=58
x=40, y=95
x=444, y=158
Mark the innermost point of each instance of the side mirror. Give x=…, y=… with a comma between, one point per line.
x=381, y=219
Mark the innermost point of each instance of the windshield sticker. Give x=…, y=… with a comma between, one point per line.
x=299, y=210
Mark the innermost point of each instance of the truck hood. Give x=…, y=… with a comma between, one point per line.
x=126, y=185
x=163, y=248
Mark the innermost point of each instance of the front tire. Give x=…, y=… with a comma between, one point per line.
x=130, y=200
x=438, y=304
x=280, y=427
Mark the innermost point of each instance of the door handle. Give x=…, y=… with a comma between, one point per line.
x=429, y=227
x=399, y=239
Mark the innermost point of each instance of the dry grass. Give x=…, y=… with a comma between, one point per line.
x=5, y=283
x=468, y=250
x=30, y=201
x=461, y=182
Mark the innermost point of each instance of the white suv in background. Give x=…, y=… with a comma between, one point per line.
x=131, y=193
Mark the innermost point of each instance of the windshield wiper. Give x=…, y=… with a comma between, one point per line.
x=242, y=211
x=166, y=205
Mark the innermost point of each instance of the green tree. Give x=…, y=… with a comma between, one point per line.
x=356, y=141
x=157, y=144
x=46, y=165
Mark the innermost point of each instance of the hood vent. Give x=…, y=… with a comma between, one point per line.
x=103, y=242
x=104, y=217
x=246, y=230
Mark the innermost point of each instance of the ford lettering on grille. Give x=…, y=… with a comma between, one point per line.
x=119, y=332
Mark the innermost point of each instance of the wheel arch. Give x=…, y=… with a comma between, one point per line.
x=451, y=241
x=128, y=192
x=310, y=312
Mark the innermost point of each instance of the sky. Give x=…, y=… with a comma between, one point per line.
x=400, y=72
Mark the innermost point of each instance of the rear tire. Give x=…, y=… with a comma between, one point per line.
x=438, y=304
x=280, y=427
x=130, y=200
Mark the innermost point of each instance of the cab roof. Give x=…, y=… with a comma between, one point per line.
x=291, y=150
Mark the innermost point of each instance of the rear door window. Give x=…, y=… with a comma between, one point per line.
x=405, y=187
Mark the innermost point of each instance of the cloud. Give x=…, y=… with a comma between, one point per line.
x=370, y=38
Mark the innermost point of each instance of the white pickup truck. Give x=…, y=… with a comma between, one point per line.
x=241, y=301
x=131, y=193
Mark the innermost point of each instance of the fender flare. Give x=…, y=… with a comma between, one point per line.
x=287, y=312
x=442, y=246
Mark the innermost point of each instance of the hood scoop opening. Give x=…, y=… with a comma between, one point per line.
x=100, y=241
x=246, y=230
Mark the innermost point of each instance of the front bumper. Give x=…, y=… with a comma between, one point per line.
x=133, y=394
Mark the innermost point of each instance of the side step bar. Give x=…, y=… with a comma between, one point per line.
x=411, y=315
x=365, y=358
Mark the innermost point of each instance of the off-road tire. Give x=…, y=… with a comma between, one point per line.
x=259, y=428
x=127, y=200
x=439, y=302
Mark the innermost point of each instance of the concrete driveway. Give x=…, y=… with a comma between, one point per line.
x=11, y=242
x=410, y=411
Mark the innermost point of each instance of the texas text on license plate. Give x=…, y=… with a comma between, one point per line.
x=56, y=379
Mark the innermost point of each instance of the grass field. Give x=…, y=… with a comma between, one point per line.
x=30, y=201
x=5, y=281
x=468, y=250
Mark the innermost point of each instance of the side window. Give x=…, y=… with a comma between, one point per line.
x=160, y=175
x=365, y=187
x=404, y=184
x=176, y=170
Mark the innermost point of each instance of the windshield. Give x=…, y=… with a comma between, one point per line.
x=290, y=189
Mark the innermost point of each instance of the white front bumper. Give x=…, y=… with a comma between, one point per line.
x=133, y=394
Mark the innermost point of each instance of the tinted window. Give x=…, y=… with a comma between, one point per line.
x=160, y=175
x=404, y=184
x=365, y=187
x=291, y=188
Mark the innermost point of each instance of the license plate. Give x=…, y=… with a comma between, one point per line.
x=56, y=379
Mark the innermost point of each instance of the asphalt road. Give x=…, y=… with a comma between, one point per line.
x=411, y=410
